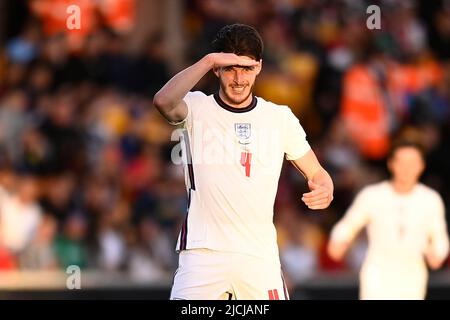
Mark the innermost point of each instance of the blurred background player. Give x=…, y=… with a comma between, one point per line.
x=406, y=229
x=228, y=243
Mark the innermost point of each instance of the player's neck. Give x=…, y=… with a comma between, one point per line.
x=242, y=105
x=402, y=188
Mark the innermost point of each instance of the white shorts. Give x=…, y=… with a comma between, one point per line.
x=205, y=274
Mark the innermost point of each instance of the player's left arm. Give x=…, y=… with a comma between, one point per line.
x=438, y=245
x=319, y=181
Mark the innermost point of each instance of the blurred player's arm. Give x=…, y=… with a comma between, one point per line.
x=319, y=181
x=438, y=245
x=345, y=231
x=169, y=100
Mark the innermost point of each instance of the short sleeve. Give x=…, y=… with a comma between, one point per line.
x=191, y=99
x=296, y=145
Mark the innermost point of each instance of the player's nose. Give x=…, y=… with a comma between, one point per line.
x=237, y=76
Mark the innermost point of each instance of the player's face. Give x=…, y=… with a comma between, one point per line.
x=406, y=165
x=236, y=83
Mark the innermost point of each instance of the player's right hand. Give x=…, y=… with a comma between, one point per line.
x=336, y=249
x=221, y=59
x=319, y=197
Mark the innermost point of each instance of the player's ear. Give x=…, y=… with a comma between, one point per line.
x=259, y=67
x=422, y=166
x=216, y=71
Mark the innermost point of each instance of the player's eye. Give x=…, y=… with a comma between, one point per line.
x=228, y=69
x=250, y=68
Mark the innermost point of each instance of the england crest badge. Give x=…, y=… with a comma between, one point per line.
x=243, y=132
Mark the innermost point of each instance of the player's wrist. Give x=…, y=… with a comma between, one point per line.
x=209, y=60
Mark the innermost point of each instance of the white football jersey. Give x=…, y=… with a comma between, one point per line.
x=233, y=162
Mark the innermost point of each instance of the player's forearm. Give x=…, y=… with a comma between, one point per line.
x=341, y=238
x=176, y=88
x=436, y=254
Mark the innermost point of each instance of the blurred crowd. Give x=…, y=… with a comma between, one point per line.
x=85, y=170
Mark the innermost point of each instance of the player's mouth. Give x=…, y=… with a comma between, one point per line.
x=238, y=89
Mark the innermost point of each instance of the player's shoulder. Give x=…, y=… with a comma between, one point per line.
x=198, y=99
x=272, y=107
x=196, y=95
x=429, y=192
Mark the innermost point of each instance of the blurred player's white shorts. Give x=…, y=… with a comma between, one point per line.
x=387, y=281
x=205, y=274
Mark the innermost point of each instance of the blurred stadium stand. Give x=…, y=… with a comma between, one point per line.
x=85, y=171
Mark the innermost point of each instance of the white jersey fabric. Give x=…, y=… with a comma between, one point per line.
x=400, y=229
x=234, y=159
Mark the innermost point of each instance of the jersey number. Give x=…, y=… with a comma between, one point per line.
x=246, y=161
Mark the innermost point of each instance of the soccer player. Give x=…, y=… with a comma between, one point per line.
x=406, y=228
x=234, y=144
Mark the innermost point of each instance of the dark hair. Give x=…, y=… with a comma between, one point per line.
x=239, y=39
x=405, y=144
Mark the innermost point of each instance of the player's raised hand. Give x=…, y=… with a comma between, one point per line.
x=221, y=59
x=319, y=197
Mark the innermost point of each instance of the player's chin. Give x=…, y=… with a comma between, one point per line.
x=239, y=98
x=239, y=94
